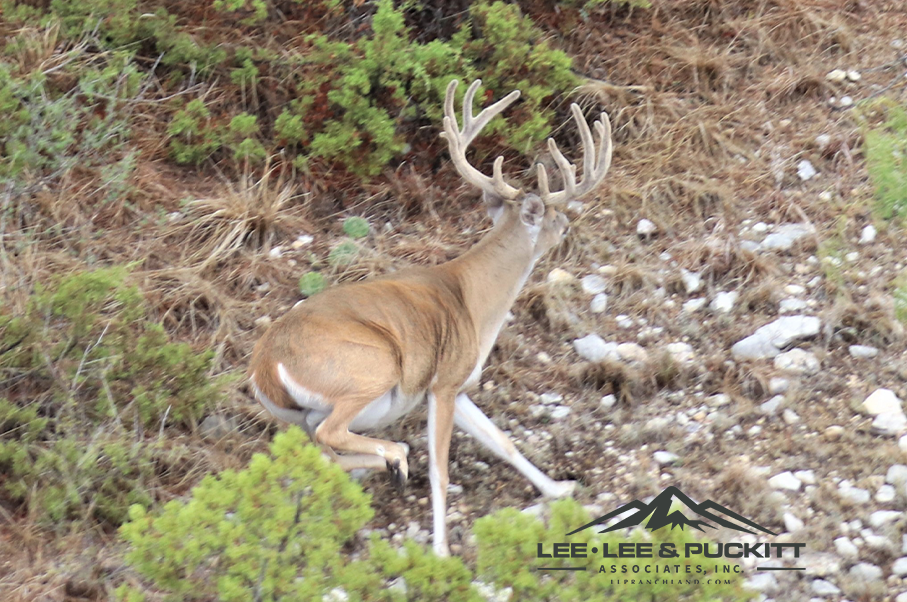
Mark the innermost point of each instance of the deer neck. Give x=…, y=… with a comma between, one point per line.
x=492, y=273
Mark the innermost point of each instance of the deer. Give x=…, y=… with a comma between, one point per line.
x=360, y=356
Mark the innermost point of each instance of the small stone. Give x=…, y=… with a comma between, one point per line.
x=852, y=256
x=834, y=432
x=398, y=585
x=263, y=321
x=608, y=401
x=846, y=548
x=862, y=351
x=723, y=302
x=784, y=236
x=902, y=443
x=902, y=597
x=880, y=518
x=770, y=407
x=764, y=583
x=275, y=252
x=693, y=305
x=792, y=523
x=836, y=76
x=805, y=170
x=302, y=240
x=778, y=385
x=665, y=457
x=882, y=401
x=891, y=424
x=797, y=361
x=899, y=567
x=631, y=352
x=868, y=235
x=791, y=306
x=822, y=142
x=760, y=227
x=559, y=276
x=559, y=412
x=855, y=495
x=866, y=572
x=681, y=352
x=692, y=281
x=768, y=340
x=821, y=587
x=623, y=321
x=896, y=475
x=808, y=477
x=794, y=289
x=854, y=75
x=718, y=400
x=593, y=284
x=550, y=398
x=885, y=494
x=337, y=594
x=789, y=416
x=846, y=101
x=594, y=349
x=645, y=227
x=785, y=480
x=599, y=303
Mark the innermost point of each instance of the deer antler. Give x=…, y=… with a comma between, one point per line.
x=458, y=140
x=594, y=168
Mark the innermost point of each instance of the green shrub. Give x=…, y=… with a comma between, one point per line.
x=886, y=158
x=282, y=529
x=356, y=227
x=311, y=283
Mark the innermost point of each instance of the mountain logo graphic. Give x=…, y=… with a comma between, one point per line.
x=659, y=513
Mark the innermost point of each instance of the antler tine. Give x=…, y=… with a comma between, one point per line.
x=458, y=140
x=595, y=164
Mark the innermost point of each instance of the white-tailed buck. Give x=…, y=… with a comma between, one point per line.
x=358, y=357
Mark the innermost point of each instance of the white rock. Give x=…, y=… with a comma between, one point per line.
x=599, y=303
x=263, y=321
x=896, y=475
x=805, y=170
x=902, y=443
x=338, y=594
x=880, y=518
x=777, y=385
x=784, y=236
x=559, y=412
x=593, y=284
x=822, y=142
x=807, y=476
x=882, y=401
x=854, y=75
x=785, y=480
x=692, y=281
x=846, y=101
x=797, y=361
x=868, y=235
x=608, y=401
x=820, y=564
x=760, y=227
x=899, y=567
x=623, y=321
x=890, y=424
x=723, y=302
x=594, y=349
x=885, y=494
x=789, y=416
x=631, y=352
x=768, y=340
x=902, y=597
x=717, y=400
x=866, y=572
x=645, y=227
x=665, y=457
x=302, y=240
x=398, y=585
x=792, y=523
x=852, y=256
x=770, y=407
x=862, y=351
x=836, y=76
x=765, y=583
x=821, y=587
x=559, y=276
x=693, y=305
x=681, y=352
x=846, y=548
x=551, y=397
x=855, y=495
x=275, y=252
x=490, y=594
x=791, y=306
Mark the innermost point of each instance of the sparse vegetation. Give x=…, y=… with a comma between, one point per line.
x=886, y=158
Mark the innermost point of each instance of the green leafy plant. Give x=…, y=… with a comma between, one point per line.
x=886, y=158
x=356, y=227
x=311, y=283
x=194, y=137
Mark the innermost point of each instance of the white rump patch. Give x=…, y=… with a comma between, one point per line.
x=302, y=396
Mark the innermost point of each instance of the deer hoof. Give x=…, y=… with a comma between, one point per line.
x=397, y=474
x=561, y=489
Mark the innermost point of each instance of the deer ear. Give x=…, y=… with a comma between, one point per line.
x=533, y=210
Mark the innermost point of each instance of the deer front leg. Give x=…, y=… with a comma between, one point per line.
x=471, y=419
x=440, y=428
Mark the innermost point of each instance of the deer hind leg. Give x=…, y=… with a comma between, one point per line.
x=440, y=428
x=472, y=420
x=334, y=432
